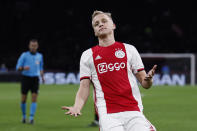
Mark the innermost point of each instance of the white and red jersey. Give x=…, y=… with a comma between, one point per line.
x=111, y=70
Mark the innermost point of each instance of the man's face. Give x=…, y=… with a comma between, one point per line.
x=102, y=25
x=33, y=46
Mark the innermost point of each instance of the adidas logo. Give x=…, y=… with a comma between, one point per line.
x=98, y=57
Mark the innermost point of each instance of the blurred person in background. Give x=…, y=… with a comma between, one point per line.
x=112, y=67
x=30, y=63
x=3, y=68
x=95, y=122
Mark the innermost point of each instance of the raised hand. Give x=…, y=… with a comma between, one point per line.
x=151, y=73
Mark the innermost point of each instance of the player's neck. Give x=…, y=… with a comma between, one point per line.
x=32, y=52
x=106, y=41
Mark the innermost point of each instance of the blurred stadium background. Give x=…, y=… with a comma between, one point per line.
x=156, y=28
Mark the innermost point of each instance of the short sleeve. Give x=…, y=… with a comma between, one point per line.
x=20, y=62
x=85, y=72
x=134, y=59
x=41, y=63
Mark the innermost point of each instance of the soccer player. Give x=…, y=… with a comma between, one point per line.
x=112, y=67
x=30, y=63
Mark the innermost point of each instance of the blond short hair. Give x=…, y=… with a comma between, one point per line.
x=96, y=12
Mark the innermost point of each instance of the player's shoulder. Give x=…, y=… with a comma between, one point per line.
x=128, y=45
x=130, y=48
x=39, y=54
x=25, y=53
x=86, y=54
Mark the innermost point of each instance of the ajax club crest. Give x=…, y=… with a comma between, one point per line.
x=119, y=53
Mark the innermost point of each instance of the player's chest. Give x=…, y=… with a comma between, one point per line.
x=110, y=55
x=33, y=59
x=110, y=59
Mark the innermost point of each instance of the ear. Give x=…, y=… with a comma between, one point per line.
x=114, y=26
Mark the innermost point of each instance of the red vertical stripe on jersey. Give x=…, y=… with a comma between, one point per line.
x=111, y=66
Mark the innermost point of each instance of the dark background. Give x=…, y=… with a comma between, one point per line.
x=64, y=30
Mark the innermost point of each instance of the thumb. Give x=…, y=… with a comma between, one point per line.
x=152, y=71
x=65, y=108
x=154, y=67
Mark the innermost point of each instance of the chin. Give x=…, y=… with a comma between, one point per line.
x=103, y=34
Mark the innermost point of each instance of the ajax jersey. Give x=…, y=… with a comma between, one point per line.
x=111, y=70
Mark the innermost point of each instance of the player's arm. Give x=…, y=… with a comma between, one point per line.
x=146, y=80
x=21, y=68
x=42, y=75
x=42, y=69
x=80, y=100
x=20, y=63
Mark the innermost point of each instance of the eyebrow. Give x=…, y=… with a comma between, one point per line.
x=101, y=20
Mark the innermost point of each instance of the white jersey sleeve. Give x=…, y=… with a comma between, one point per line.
x=134, y=59
x=85, y=71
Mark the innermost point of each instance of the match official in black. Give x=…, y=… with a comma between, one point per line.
x=30, y=63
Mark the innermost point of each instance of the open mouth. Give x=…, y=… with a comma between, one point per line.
x=102, y=29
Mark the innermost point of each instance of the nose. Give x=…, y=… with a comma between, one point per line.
x=100, y=25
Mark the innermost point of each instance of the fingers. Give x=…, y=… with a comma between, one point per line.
x=77, y=114
x=43, y=80
x=71, y=111
x=151, y=73
x=148, y=78
x=153, y=70
x=154, y=67
x=67, y=113
x=73, y=114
